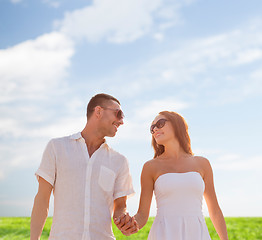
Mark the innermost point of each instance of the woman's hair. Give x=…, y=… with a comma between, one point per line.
x=180, y=129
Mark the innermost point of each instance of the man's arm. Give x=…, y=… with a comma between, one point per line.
x=119, y=206
x=40, y=209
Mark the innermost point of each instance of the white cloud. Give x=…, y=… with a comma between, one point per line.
x=20, y=154
x=235, y=162
x=254, y=85
x=231, y=162
x=25, y=138
x=120, y=21
x=24, y=143
x=30, y=126
x=136, y=126
x=33, y=68
x=147, y=111
x=1, y=175
x=232, y=204
x=52, y=3
x=15, y=1
x=216, y=67
x=61, y=128
x=199, y=55
x=248, y=56
x=159, y=36
x=202, y=152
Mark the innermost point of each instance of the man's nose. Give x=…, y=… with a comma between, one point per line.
x=121, y=121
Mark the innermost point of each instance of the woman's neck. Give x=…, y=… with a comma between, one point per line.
x=173, y=150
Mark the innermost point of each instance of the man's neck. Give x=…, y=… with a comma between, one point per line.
x=93, y=142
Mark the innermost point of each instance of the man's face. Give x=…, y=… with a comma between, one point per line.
x=111, y=119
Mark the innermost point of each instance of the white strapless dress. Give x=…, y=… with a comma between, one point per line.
x=179, y=208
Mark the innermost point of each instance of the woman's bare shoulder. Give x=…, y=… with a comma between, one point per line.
x=201, y=160
x=151, y=165
x=203, y=164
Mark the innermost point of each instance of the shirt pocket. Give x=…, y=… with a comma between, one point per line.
x=106, y=178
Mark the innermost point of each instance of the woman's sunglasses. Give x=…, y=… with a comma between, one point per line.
x=119, y=113
x=159, y=124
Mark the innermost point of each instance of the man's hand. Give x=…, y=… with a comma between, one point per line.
x=126, y=224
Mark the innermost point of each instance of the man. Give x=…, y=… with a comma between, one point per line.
x=89, y=180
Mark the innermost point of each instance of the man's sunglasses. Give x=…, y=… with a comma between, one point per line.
x=159, y=124
x=119, y=113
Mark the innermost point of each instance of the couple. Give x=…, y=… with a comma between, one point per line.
x=90, y=181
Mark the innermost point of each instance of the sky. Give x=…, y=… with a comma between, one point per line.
x=202, y=59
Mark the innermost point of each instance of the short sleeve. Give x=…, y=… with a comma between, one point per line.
x=123, y=183
x=47, y=168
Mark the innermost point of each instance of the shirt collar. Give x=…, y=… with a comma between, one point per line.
x=78, y=136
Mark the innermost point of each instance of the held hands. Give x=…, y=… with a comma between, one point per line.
x=126, y=224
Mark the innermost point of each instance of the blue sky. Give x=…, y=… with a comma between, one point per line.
x=202, y=59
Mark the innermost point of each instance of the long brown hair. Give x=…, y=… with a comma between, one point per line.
x=181, y=133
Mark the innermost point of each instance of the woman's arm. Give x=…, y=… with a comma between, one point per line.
x=214, y=210
x=147, y=187
x=129, y=225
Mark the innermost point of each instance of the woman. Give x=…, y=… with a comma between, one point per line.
x=179, y=181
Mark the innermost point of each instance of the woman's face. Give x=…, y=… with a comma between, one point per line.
x=162, y=130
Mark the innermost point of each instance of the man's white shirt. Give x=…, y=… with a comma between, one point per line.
x=84, y=187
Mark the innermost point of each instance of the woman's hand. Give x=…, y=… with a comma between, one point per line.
x=126, y=224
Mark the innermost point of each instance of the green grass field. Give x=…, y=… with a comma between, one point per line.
x=238, y=229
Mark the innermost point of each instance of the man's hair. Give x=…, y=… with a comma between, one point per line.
x=100, y=99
